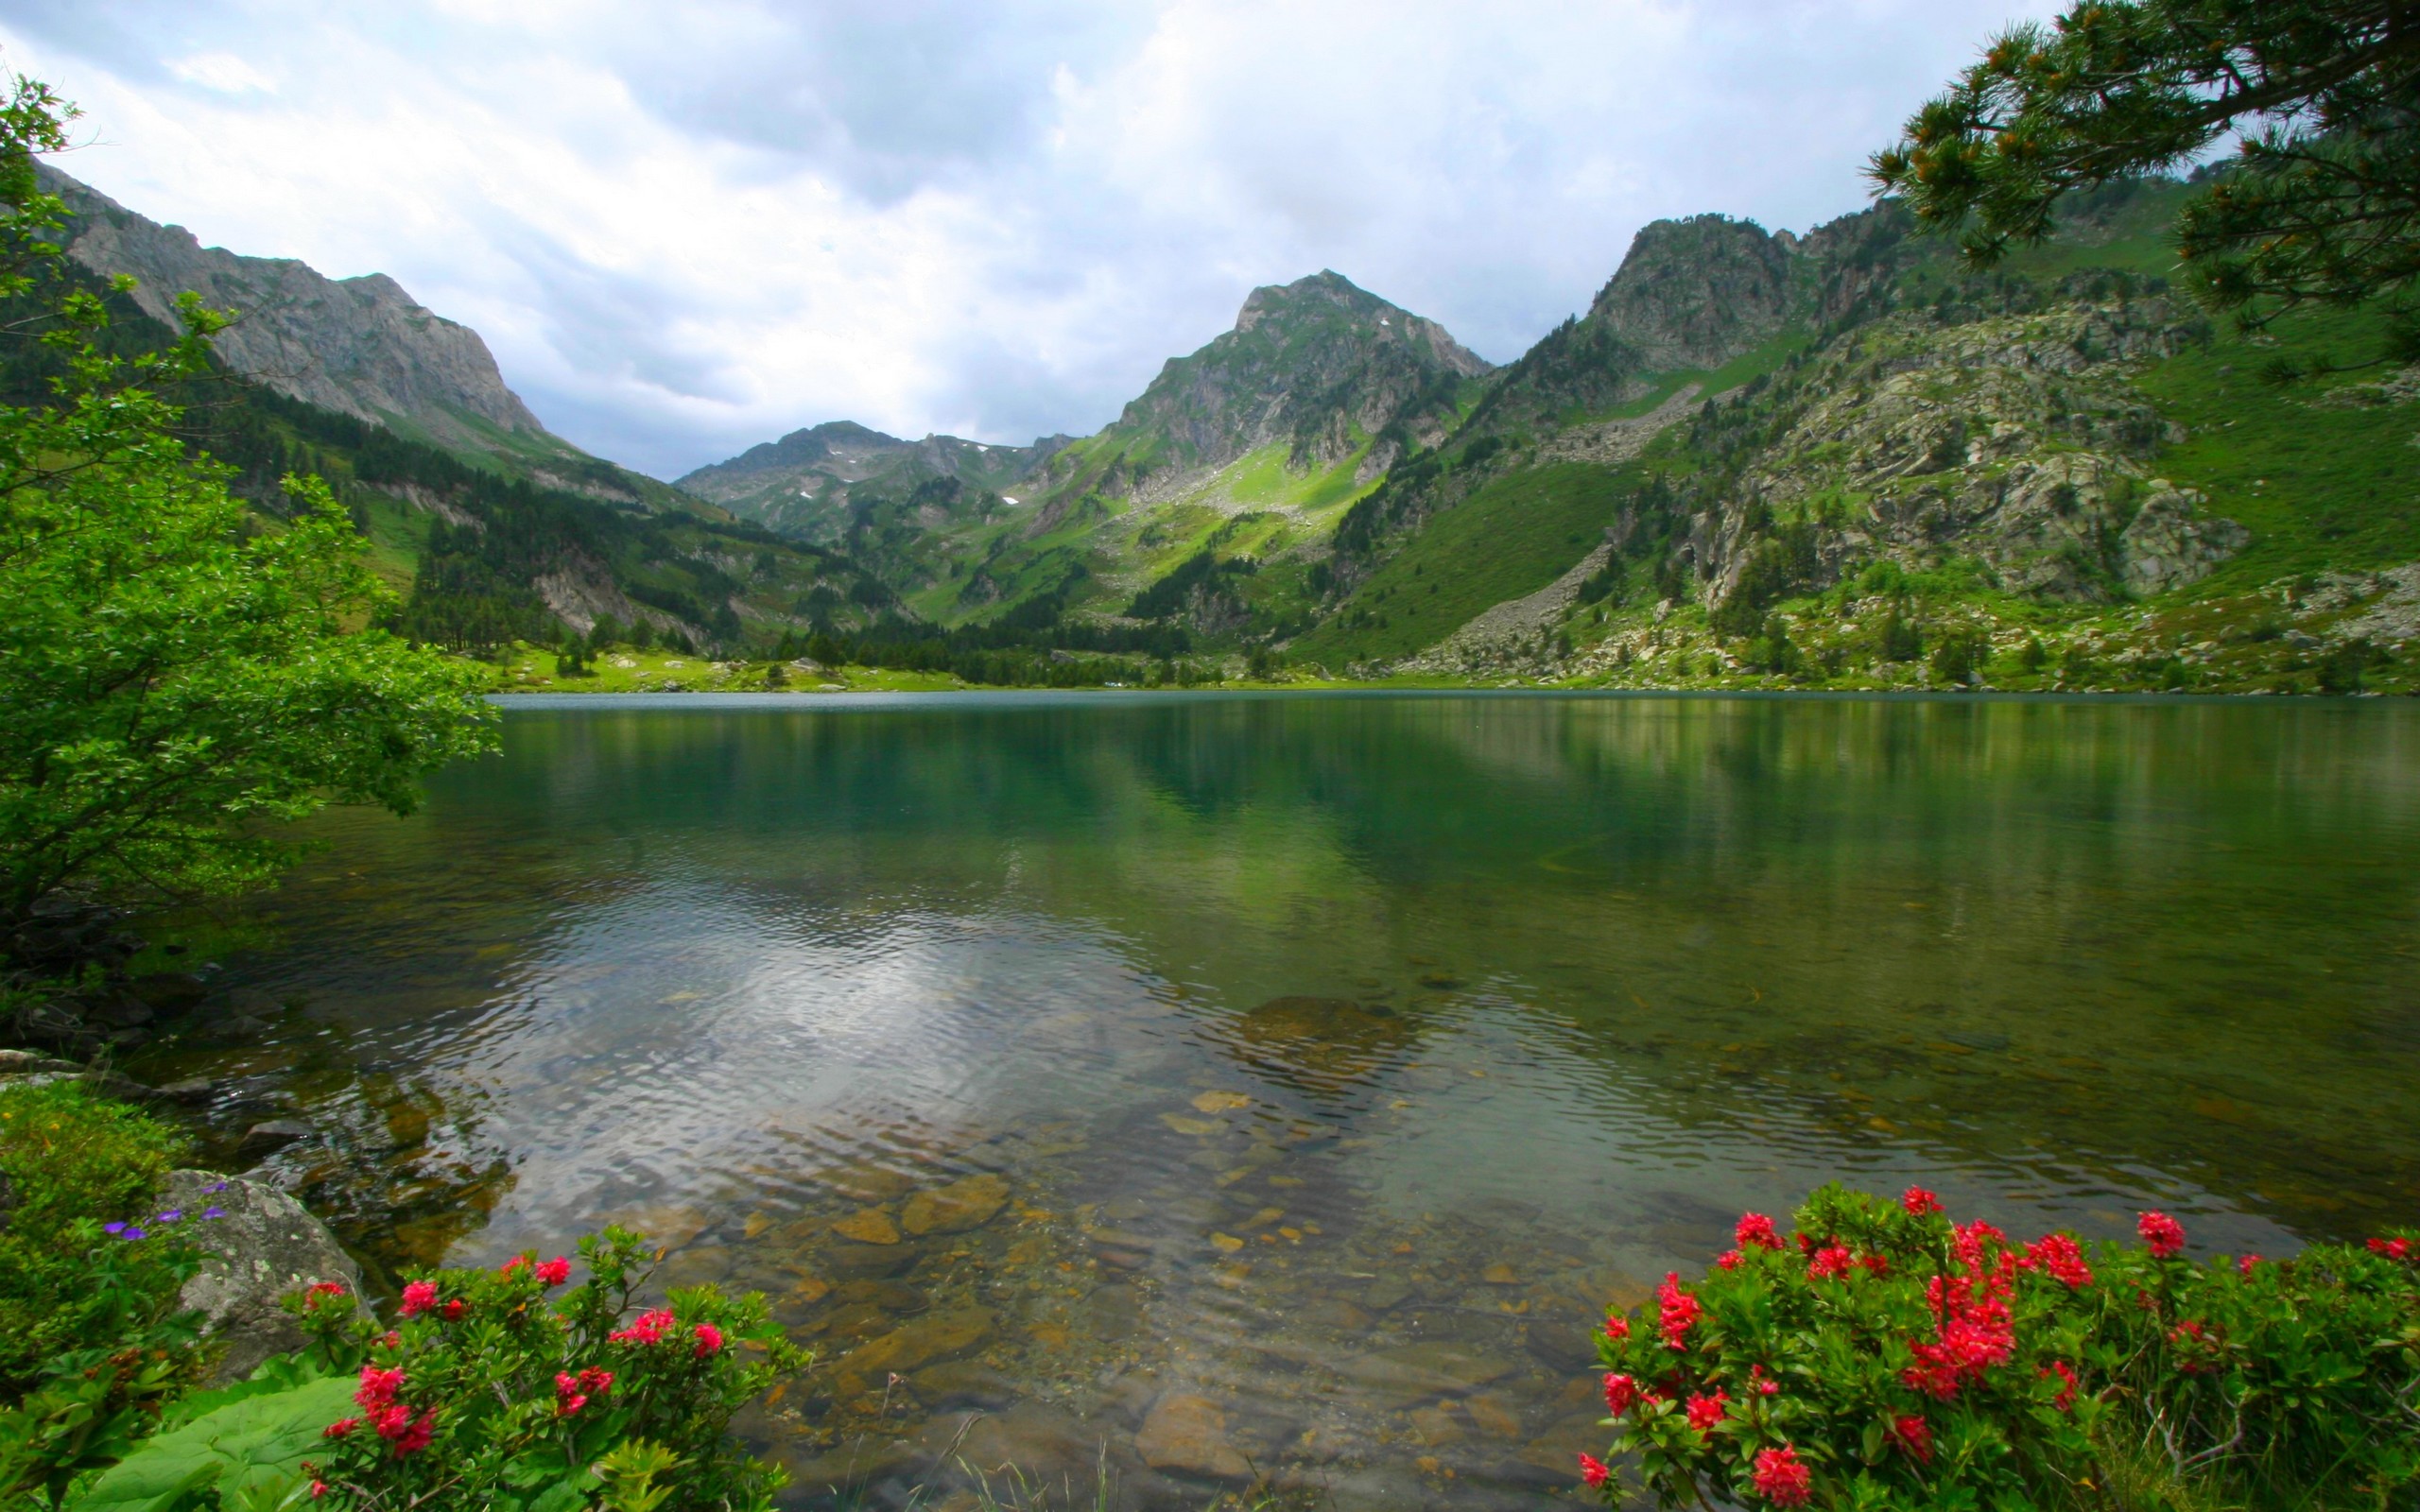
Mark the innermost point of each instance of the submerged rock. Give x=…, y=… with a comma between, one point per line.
x=1188, y=1433
x=956, y=1207
x=869, y=1226
x=266, y=1246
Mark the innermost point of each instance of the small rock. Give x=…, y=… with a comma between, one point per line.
x=1500, y=1274
x=1220, y=1102
x=868, y=1226
x=275, y=1134
x=1188, y=1433
x=936, y=1336
x=963, y=1383
x=1434, y=1426
x=891, y=1297
x=24, y=1062
x=956, y=1207
x=190, y=1089
x=855, y=1263
x=1494, y=1413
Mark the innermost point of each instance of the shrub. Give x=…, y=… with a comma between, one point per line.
x=487, y=1393
x=91, y=1345
x=1883, y=1356
x=70, y=1162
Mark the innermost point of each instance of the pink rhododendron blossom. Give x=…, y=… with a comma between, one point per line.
x=2165, y=1235
x=1781, y=1479
x=1676, y=1312
x=418, y=1296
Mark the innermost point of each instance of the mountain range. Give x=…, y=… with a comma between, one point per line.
x=1840, y=458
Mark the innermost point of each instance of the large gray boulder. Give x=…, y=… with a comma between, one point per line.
x=265, y=1246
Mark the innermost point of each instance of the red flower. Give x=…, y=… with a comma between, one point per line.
x=378, y=1387
x=1617, y=1328
x=1705, y=1412
x=325, y=1289
x=418, y=1296
x=1756, y=1231
x=1781, y=1479
x=2163, y=1234
x=1728, y=1260
x=2067, y=1397
x=1879, y=1264
x=1764, y=1384
x=454, y=1310
x=1919, y=1202
x=569, y=1398
x=709, y=1339
x=647, y=1328
x=1593, y=1470
x=1677, y=1311
x=2392, y=1249
x=593, y=1380
x=2059, y=1257
x=1830, y=1264
x=339, y=1428
x=318, y=1489
x=1621, y=1394
x=2243, y=1266
x=1914, y=1436
x=513, y=1265
x=415, y=1438
x=556, y=1271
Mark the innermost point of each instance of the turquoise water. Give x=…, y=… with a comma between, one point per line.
x=1329, y=1059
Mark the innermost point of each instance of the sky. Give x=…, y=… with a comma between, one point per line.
x=687, y=226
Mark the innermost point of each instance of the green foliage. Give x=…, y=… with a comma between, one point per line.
x=1884, y=1356
x=176, y=675
x=2323, y=203
x=71, y=1161
x=488, y=1394
x=247, y=1452
x=91, y=1343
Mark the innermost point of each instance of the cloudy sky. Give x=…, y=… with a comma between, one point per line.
x=687, y=226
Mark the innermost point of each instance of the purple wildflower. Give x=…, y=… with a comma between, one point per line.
x=113, y=1227
x=214, y=1213
x=172, y=1215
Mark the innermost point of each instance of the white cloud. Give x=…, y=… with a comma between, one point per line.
x=687, y=227
x=222, y=71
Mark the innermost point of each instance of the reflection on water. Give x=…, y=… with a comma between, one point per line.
x=1231, y=1088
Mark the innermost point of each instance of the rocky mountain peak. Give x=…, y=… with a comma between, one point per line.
x=360, y=346
x=1696, y=293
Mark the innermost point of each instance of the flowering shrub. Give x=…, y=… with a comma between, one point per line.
x=490, y=1391
x=1885, y=1355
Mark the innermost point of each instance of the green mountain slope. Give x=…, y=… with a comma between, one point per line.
x=1249, y=450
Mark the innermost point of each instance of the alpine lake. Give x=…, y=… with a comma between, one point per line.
x=1265, y=1094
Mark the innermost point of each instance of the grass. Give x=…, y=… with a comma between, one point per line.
x=531, y=669
x=1510, y=538
x=2319, y=484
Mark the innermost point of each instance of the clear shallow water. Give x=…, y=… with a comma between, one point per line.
x=1319, y=1067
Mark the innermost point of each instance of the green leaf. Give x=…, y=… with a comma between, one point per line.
x=245, y=1444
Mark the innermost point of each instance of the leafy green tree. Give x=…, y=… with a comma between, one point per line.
x=177, y=671
x=2322, y=202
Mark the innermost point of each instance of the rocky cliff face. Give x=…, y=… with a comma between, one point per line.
x=360, y=346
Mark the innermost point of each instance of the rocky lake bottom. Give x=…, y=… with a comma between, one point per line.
x=1265, y=1093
